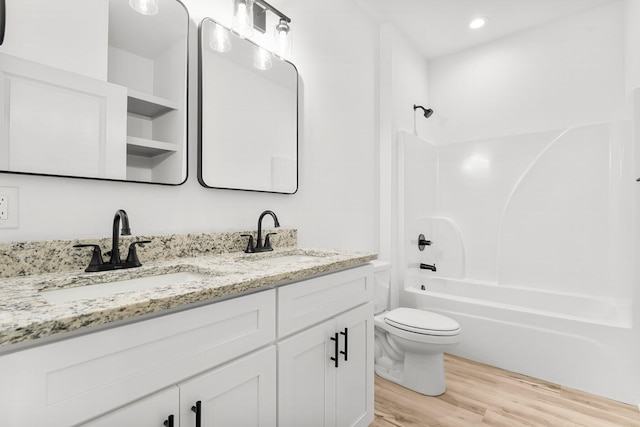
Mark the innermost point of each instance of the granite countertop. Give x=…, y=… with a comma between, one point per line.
x=25, y=315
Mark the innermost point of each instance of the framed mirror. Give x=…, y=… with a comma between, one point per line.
x=95, y=89
x=248, y=115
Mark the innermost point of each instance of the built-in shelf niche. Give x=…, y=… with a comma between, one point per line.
x=148, y=105
x=155, y=74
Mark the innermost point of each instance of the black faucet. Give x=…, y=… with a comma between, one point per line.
x=427, y=267
x=115, y=263
x=260, y=247
x=120, y=215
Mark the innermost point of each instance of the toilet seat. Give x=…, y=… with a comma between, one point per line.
x=421, y=322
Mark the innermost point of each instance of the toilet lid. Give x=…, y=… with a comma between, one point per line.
x=421, y=322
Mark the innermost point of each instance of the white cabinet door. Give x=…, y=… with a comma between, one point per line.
x=239, y=394
x=314, y=390
x=354, y=382
x=70, y=381
x=152, y=411
x=306, y=378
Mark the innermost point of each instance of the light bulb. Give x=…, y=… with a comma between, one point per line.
x=145, y=7
x=283, y=39
x=219, y=38
x=262, y=59
x=243, y=18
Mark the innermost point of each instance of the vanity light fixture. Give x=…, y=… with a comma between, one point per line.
x=219, y=38
x=477, y=22
x=282, y=32
x=243, y=18
x=145, y=7
x=262, y=59
x=283, y=39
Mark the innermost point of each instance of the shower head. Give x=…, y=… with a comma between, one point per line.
x=427, y=111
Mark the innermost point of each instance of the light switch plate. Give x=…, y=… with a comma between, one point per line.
x=8, y=207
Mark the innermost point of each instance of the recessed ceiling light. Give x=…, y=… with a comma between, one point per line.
x=477, y=23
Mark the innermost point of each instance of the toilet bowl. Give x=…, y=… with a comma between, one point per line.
x=409, y=343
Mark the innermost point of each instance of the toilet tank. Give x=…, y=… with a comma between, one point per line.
x=381, y=284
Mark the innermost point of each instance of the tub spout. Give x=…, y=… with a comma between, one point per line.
x=427, y=267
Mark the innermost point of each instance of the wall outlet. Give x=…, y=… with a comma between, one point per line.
x=4, y=207
x=8, y=207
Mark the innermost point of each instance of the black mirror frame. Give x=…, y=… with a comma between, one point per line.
x=186, y=134
x=200, y=121
x=3, y=19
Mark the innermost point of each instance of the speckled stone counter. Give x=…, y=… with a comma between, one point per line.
x=25, y=315
x=55, y=256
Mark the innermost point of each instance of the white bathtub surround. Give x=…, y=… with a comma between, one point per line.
x=531, y=238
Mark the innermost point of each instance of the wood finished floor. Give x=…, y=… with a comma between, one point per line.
x=482, y=395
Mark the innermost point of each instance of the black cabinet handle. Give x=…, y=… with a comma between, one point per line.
x=169, y=421
x=336, y=350
x=197, y=408
x=346, y=343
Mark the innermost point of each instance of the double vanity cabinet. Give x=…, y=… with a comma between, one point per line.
x=296, y=354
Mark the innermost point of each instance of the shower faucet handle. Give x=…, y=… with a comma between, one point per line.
x=422, y=242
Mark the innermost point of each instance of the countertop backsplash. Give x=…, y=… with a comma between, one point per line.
x=57, y=256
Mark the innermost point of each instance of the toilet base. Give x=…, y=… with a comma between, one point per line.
x=422, y=373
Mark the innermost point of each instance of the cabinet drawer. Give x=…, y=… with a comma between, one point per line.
x=306, y=303
x=73, y=380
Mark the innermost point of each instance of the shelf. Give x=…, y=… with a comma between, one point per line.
x=148, y=147
x=148, y=105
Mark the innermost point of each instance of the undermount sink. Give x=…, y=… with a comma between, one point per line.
x=288, y=259
x=61, y=296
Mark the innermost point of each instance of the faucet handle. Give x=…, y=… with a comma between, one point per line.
x=96, y=255
x=422, y=242
x=250, y=248
x=267, y=241
x=132, y=256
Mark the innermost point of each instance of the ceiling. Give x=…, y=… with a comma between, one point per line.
x=439, y=27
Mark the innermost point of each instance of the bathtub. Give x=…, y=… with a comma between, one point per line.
x=566, y=339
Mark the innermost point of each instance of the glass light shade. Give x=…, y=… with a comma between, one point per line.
x=243, y=18
x=219, y=38
x=283, y=40
x=262, y=58
x=145, y=7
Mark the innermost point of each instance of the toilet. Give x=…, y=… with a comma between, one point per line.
x=409, y=343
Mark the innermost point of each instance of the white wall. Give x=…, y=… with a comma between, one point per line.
x=568, y=72
x=636, y=243
x=61, y=21
x=335, y=52
x=403, y=80
x=504, y=104
x=632, y=44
